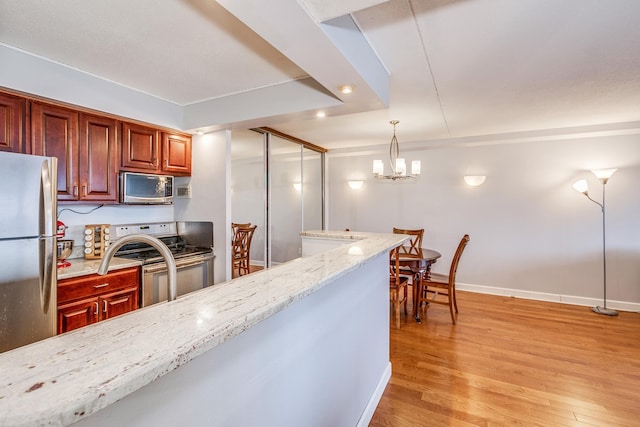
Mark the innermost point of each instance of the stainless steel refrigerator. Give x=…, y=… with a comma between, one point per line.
x=28, y=189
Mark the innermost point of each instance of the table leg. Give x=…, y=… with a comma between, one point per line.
x=416, y=291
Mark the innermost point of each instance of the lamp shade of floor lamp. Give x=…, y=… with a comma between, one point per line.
x=581, y=186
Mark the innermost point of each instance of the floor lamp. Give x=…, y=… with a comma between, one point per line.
x=603, y=175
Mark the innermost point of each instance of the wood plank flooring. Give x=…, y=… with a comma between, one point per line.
x=513, y=362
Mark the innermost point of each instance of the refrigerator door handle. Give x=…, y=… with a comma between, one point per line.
x=47, y=266
x=48, y=194
x=48, y=272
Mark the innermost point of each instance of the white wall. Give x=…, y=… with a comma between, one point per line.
x=530, y=231
x=209, y=202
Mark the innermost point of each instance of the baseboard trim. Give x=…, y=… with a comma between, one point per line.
x=541, y=296
x=367, y=415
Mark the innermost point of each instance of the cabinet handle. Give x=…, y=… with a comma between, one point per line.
x=105, y=306
x=166, y=164
x=100, y=286
x=84, y=190
x=75, y=190
x=97, y=308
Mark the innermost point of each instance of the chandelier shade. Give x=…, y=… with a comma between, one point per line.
x=398, y=164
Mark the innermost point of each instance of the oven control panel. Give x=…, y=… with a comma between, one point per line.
x=97, y=238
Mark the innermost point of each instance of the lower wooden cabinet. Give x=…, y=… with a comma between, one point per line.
x=89, y=299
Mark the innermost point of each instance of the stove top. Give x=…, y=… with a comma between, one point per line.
x=148, y=254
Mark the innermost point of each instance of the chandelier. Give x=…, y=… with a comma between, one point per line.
x=398, y=164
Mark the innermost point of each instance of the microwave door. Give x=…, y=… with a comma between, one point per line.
x=147, y=188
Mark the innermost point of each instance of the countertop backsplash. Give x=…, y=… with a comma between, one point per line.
x=75, y=233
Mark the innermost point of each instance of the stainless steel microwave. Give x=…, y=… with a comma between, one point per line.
x=146, y=189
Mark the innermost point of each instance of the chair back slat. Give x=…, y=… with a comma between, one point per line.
x=415, y=242
x=242, y=241
x=236, y=225
x=456, y=259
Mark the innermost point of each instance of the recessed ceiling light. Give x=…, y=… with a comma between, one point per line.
x=346, y=89
x=321, y=114
x=199, y=132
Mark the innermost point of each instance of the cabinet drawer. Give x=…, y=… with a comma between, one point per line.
x=95, y=285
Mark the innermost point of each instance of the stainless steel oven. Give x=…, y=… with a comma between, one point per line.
x=194, y=273
x=190, y=243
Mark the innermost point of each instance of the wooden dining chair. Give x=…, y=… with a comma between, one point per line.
x=398, y=293
x=241, y=249
x=441, y=288
x=415, y=242
x=414, y=248
x=236, y=225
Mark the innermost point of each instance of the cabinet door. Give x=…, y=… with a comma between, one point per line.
x=77, y=314
x=140, y=148
x=98, y=159
x=118, y=303
x=12, y=116
x=176, y=154
x=54, y=133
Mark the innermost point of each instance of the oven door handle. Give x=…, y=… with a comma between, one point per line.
x=153, y=268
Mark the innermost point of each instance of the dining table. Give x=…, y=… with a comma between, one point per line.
x=420, y=266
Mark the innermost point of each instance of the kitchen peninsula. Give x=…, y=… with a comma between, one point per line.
x=303, y=343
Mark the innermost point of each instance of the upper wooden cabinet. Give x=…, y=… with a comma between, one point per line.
x=176, y=154
x=144, y=151
x=12, y=127
x=140, y=148
x=91, y=148
x=86, y=147
x=98, y=159
x=54, y=133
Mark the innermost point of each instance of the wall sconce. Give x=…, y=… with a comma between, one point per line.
x=297, y=186
x=356, y=184
x=582, y=187
x=474, y=180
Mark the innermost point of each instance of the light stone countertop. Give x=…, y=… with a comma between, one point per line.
x=63, y=379
x=83, y=267
x=338, y=235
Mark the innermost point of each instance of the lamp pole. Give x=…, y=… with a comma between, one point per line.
x=598, y=309
x=603, y=175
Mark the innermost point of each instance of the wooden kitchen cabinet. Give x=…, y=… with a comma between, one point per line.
x=12, y=123
x=146, y=149
x=86, y=147
x=98, y=159
x=89, y=299
x=140, y=148
x=176, y=154
x=54, y=133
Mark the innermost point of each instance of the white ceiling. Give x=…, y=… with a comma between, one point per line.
x=452, y=71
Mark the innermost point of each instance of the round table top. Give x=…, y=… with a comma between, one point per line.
x=426, y=255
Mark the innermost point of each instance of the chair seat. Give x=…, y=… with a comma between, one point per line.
x=399, y=295
x=398, y=292
x=437, y=277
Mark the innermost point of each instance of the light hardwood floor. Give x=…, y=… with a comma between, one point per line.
x=513, y=362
